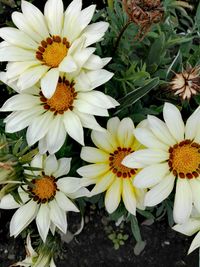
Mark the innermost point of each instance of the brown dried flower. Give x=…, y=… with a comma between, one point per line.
x=186, y=83
x=144, y=13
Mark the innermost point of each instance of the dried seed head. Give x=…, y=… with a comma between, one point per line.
x=186, y=83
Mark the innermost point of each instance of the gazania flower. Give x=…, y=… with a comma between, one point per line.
x=47, y=200
x=189, y=228
x=172, y=154
x=106, y=170
x=69, y=110
x=33, y=259
x=45, y=45
x=186, y=83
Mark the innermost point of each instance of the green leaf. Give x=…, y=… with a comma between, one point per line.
x=135, y=228
x=135, y=95
x=139, y=247
x=197, y=17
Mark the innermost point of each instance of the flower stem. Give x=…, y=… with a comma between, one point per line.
x=120, y=35
x=110, y=4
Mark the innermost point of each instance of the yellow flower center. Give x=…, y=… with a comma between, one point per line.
x=115, y=163
x=62, y=99
x=184, y=159
x=52, y=51
x=44, y=189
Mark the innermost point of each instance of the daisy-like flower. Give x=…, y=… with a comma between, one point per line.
x=186, y=83
x=106, y=170
x=33, y=259
x=172, y=154
x=45, y=45
x=47, y=200
x=189, y=228
x=71, y=108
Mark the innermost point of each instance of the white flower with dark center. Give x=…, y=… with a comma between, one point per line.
x=45, y=45
x=106, y=170
x=172, y=154
x=47, y=200
x=72, y=107
x=189, y=228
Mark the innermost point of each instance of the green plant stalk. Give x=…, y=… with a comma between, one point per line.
x=110, y=4
x=120, y=35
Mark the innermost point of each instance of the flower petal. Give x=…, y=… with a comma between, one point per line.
x=64, y=202
x=151, y=175
x=104, y=141
x=58, y=216
x=94, y=155
x=43, y=221
x=50, y=165
x=94, y=32
x=63, y=167
x=188, y=228
x=174, y=121
x=103, y=183
x=160, y=192
x=23, y=217
x=195, y=243
x=113, y=196
x=128, y=196
x=183, y=201
x=195, y=187
x=192, y=125
x=49, y=82
x=125, y=133
x=69, y=184
x=93, y=170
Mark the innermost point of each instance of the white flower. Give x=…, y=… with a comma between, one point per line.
x=172, y=154
x=47, y=200
x=71, y=108
x=43, y=46
x=34, y=259
x=106, y=170
x=189, y=228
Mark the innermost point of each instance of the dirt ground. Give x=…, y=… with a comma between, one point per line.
x=164, y=248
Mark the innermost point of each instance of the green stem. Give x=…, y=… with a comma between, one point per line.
x=120, y=35
x=110, y=4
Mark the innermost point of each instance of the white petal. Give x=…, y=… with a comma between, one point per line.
x=82, y=192
x=13, y=53
x=85, y=107
x=183, y=201
x=35, y=19
x=23, y=217
x=69, y=184
x=160, y=192
x=58, y=216
x=95, y=32
x=174, y=121
x=188, y=228
x=63, y=167
x=146, y=157
x=130, y=162
x=192, y=125
x=113, y=196
x=49, y=82
x=14, y=69
x=50, y=165
x=151, y=175
x=103, y=183
x=160, y=130
x=21, y=119
x=104, y=141
x=95, y=62
x=42, y=145
x=88, y=121
x=99, y=77
x=56, y=135
x=18, y=38
x=53, y=12
x=8, y=202
x=43, y=221
x=147, y=138
x=125, y=133
x=68, y=64
x=38, y=128
x=195, y=243
x=81, y=56
x=64, y=203
x=20, y=102
x=93, y=170
x=195, y=187
x=37, y=161
x=73, y=126
x=31, y=76
x=128, y=196
x=112, y=125
x=94, y=155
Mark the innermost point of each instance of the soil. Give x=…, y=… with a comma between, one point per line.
x=164, y=247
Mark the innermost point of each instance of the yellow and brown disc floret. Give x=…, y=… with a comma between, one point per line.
x=186, y=83
x=43, y=189
x=115, y=160
x=52, y=51
x=184, y=159
x=63, y=98
x=144, y=13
